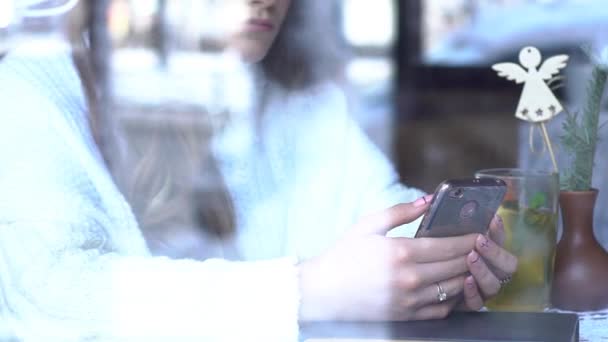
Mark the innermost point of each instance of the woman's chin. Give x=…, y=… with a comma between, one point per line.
x=252, y=57
x=250, y=52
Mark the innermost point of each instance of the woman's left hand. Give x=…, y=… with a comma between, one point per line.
x=490, y=265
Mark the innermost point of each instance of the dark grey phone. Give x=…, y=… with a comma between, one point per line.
x=462, y=206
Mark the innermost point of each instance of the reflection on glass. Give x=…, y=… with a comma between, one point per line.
x=465, y=33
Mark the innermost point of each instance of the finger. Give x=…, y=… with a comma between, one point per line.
x=472, y=297
x=430, y=294
x=434, y=249
x=423, y=275
x=498, y=258
x=497, y=230
x=436, y=311
x=385, y=220
x=488, y=283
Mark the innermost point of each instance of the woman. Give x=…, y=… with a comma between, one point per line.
x=74, y=264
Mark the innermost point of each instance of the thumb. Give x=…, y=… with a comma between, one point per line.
x=385, y=220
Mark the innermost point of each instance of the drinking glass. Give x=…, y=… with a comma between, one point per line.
x=529, y=212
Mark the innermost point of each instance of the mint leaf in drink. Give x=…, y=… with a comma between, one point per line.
x=539, y=200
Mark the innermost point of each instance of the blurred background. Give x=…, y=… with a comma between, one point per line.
x=418, y=71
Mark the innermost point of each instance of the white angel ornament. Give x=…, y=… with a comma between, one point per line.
x=537, y=102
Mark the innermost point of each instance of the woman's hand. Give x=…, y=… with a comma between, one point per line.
x=367, y=276
x=490, y=266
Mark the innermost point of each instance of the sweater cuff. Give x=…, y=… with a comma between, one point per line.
x=265, y=301
x=215, y=300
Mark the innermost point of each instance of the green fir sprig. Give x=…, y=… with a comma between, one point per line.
x=580, y=135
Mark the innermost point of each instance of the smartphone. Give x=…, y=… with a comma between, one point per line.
x=462, y=206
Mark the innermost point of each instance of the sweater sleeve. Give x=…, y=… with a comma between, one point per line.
x=366, y=177
x=67, y=292
x=66, y=272
x=381, y=187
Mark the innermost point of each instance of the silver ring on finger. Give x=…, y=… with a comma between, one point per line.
x=441, y=295
x=504, y=281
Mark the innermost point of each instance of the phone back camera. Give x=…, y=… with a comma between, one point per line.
x=457, y=193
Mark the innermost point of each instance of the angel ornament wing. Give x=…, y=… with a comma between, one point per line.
x=537, y=102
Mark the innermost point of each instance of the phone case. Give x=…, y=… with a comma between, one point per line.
x=462, y=206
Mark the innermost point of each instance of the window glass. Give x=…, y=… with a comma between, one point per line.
x=482, y=32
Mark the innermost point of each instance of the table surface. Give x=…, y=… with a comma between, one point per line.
x=593, y=325
x=470, y=326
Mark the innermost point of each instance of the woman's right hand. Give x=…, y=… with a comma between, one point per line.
x=368, y=276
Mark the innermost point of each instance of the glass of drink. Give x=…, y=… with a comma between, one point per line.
x=529, y=212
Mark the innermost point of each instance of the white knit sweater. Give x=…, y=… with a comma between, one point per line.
x=74, y=265
x=309, y=175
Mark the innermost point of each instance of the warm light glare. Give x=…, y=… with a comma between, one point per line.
x=6, y=13
x=144, y=7
x=223, y=19
x=234, y=14
x=369, y=23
